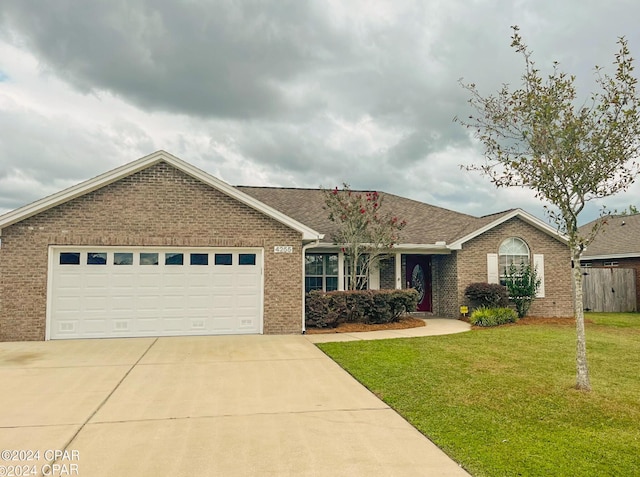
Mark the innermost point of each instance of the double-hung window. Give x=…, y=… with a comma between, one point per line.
x=321, y=272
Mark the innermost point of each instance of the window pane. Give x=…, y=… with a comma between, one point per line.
x=332, y=265
x=223, y=259
x=148, y=258
x=173, y=258
x=247, y=259
x=199, y=259
x=312, y=283
x=123, y=258
x=513, y=251
x=313, y=264
x=94, y=258
x=69, y=258
x=332, y=283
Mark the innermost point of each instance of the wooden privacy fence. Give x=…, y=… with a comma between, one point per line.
x=609, y=289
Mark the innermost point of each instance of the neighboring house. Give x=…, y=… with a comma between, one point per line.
x=158, y=247
x=617, y=245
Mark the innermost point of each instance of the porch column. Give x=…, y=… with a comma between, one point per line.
x=398, y=273
x=341, y=271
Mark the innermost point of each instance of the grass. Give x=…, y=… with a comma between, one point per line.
x=501, y=401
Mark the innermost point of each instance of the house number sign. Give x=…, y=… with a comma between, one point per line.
x=283, y=249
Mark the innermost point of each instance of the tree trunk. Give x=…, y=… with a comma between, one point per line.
x=582, y=368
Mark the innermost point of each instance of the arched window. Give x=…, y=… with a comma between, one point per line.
x=512, y=251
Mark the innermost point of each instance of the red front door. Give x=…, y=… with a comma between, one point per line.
x=419, y=277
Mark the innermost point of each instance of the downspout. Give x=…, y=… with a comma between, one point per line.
x=304, y=254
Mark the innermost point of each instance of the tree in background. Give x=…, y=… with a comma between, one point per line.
x=568, y=151
x=364, y=232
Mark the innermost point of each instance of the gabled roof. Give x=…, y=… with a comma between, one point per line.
x=131, y=168
x=618, y=238
x=426, y=224
x=496, y=219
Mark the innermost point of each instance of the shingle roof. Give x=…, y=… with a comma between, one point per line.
x=426, y=224
x=619, y=236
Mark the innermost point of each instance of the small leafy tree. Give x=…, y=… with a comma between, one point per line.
x=364, y=232
x=522, y=284
x=568, y=151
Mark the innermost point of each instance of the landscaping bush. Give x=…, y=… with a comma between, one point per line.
x=522, y=285
x=490, y=295
x=319, y=311
x=484, y=316
x=328, y=310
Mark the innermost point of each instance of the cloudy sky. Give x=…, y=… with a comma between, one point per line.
x=284, y=92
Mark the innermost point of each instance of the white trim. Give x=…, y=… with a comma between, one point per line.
x=47, y=325
x=374, y=276
x=538, y=265
x=341, y=270
x=398, y=271
x=587, y=258
x=525, y=216
x=136, y=166
x=493, y=268
x=408, y=248
x=304, y=276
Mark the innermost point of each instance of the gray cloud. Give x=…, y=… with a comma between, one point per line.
x=288, y=92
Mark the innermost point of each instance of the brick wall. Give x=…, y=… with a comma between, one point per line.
x=159, y=206
x=472, y=265
x=388, y=273
x=445, y=288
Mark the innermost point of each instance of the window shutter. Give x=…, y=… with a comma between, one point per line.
x=493, y=275
x=538, y=264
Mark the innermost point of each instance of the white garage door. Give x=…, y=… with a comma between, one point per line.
x=100, y=292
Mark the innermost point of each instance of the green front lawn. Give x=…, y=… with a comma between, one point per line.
x=501, y=402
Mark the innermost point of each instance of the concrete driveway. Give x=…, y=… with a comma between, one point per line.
x=210, y=406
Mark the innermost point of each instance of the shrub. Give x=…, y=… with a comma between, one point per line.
x=522, y=284
x=484, y=316
x=328, y=310
x=490, y=295
x=319, y=311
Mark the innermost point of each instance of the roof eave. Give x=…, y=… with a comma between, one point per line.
x=22, y=213
x=530, y=219
x=610, y=256
x=437, y=248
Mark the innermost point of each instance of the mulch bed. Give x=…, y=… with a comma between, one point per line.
x=535, y=320
x=403, y=323
x=411, y=322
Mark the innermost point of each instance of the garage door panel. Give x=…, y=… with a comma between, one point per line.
x=97, y=326
x=130, y=299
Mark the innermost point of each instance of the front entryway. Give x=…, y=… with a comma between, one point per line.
x=418, y=276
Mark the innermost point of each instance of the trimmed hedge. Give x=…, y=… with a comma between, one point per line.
x=484, y=316
x=328, y=310
x=490, y=295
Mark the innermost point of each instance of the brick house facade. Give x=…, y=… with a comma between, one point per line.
x=558, y=297
x=161, y=203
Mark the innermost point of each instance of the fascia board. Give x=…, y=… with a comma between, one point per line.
x=131, y=168
x=75, y=191
x=403, y=247
x=308, y=233
x=530, y=219
x=609, y=256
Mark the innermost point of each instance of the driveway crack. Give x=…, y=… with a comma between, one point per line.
x=82, y=426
